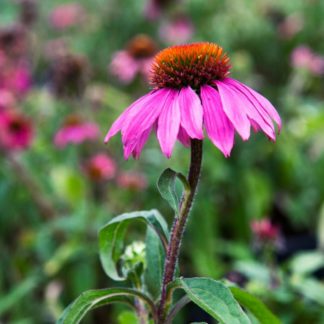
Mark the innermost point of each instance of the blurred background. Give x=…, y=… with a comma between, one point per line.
x=68, y=69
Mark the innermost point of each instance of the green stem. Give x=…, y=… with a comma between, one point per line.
x=179, y=227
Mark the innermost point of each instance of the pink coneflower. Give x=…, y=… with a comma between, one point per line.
x=75, y=131
x=67, y=15
x=264, y=230
x=132, y=180
x=16, y=131
x=135, y=59
x=192, y=91
x=100, y=167
x=179, y=30
x=15, y=76
x=303, y=57
x=7, y=100
x=154, y=8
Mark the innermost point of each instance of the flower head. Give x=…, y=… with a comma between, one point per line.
x=303, y=57
x=264, y=230
x=100, y=167
x=192, y=91
x=75, y=131
x=67, y=15
x=16, y=131
x=179, y=30
x=135, y=59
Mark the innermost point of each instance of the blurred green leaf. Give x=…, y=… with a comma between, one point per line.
x=255, y=306
x=214, y=298
x=95, y=298
x=166, y=186
x=69, y=185
x=306, y=263
x=309, y=288
x=111, y=237
x=20, y=291
x=127, y=317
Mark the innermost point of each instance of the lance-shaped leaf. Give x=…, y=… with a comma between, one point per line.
x=166, y=186
x=155, y=256
x=255, y=306
x=111, y=237
x=214, y=298
x=91, y=299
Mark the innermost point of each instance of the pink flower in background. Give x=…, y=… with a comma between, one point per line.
x=75, y=131
x=177, y=31
x=135, y=59
x=16, y=132
x=291, y=26
x=154, y=8
x=7, y=100
x=264, y=230
x=67, y=15
x=132, y=180
x=15, y=76
x=304, y=58
x=100, y=167
x=192, y=91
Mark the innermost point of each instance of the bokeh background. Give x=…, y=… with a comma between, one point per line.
x=67, y=69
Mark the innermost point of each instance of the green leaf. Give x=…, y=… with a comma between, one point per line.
x=127, y=317
x=111, y=237
x=307, y=262
x=214, y=298
x=255, y=306
x=166, y=186
x=155, y=256
x=19, y=292
x=91, y=299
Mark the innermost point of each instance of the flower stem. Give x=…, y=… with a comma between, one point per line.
x=178, y=227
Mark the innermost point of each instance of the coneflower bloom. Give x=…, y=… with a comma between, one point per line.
x=177, y=31
x=75, y=131
x=100, y=167
x=264, y=230
x=192, y=91
x=135, y=59
x=16, y=132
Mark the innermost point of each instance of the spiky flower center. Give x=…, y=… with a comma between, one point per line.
x=189, y=65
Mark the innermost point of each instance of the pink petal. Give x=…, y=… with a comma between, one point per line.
x=169, y=123
x=259, y=101
x=232, y=106
x=118, y=124
x=191, y=113
x=218, y=126
x=138, y=121
x=259, y=117
x=183, y=137
x=140, y=144
x=141, y=119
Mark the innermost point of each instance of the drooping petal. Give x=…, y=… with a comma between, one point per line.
x=140, y=144
x=218, y=126
x=254, y=114
x=141, y=119
x=232, y=107
x=169, y=123
x=191, y=113
x=259, y=101
x=183, y=137
x=118, y=124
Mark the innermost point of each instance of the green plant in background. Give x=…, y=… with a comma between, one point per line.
x=52, y=204
x=192, y=90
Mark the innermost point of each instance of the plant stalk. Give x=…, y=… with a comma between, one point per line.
x=178, y=228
